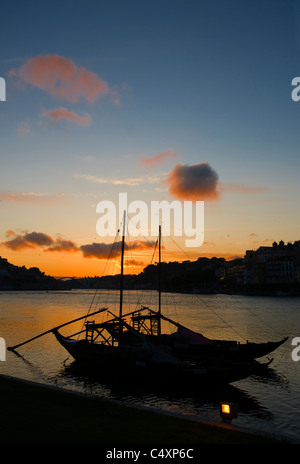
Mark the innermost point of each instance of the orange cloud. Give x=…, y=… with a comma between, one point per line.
x=94, y=250
x=196, y=182
x=32, y=198
x=23, y=129
x=151, y=162
x=63, y=113
x=29, y=240
x=9, y=233
x=63, y=245
x=61, y=78
x=38, y=240
x=135, y=263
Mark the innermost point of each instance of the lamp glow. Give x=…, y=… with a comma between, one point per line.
x=228, y=411
x=225, y=408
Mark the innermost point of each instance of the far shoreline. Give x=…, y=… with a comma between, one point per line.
x=275, y=294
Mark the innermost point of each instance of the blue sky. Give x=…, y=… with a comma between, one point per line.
x=208, y=80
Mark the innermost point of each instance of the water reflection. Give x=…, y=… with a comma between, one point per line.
x=269, y=402
x=186, y=401
x=35, y=370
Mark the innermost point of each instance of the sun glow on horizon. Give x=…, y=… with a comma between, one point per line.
x=75, y=265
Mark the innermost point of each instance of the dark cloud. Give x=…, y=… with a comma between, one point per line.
x=105, y=250
x=63, y=245
x=97, y=250
x=17, y=243
x=28, y=240
x=38, y=238
x=93, y=250
x=196, y=182
x=140, y=245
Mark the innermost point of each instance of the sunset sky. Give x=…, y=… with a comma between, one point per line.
x=162, y=100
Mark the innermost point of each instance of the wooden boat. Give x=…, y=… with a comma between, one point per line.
x=183, y=342
x=132, y=345
x=143, y=362
x=186, y=343
x=193, y=345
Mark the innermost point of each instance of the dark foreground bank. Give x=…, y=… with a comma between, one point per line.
x=35, y=414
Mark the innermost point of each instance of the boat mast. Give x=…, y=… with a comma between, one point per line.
x=159, y=283
x=121, y=277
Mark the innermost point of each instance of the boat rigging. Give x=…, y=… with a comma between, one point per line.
x=133, y=344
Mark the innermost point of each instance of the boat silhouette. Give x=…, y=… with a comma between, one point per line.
x=133, y=345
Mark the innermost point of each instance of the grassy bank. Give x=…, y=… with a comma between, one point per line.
x=36, y=414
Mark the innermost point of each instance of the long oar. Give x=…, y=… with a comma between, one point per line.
x=12, y=348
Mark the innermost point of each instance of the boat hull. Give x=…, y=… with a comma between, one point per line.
x=233, y=351
x=135, y=363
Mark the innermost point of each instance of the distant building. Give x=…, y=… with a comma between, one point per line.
x=277, y=264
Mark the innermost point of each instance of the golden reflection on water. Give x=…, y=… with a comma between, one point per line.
x=26, y=314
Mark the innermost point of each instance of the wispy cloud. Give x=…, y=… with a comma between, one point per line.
x=102, y=180
x=32, y=198
x=241, y=188
x=60, y=77
x=62, y=113
x=23, y=129
x=117, y=181
x=153, y=161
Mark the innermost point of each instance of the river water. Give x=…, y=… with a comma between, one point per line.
x=269, y=404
